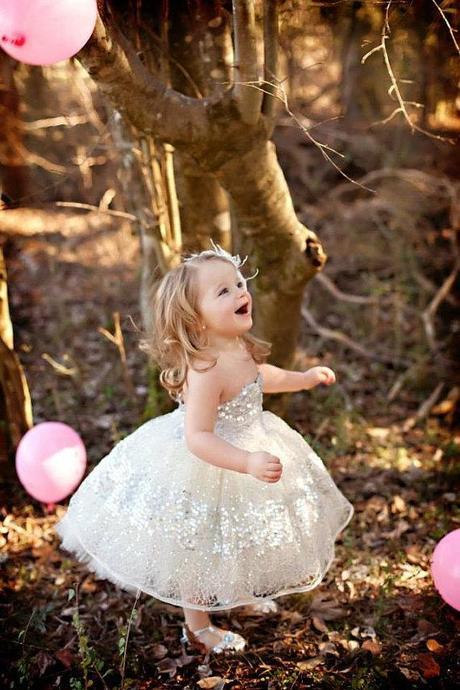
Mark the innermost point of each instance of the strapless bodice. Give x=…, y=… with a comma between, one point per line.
x=241, y=410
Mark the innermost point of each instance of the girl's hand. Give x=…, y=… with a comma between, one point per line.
x=316, y=375
x=264, y=466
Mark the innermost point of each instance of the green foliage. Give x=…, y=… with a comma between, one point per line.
x=158, y=400
x=88, y=656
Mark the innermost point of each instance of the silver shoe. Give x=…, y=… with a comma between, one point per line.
x=230, y=640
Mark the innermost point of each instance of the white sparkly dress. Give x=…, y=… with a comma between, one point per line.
x=154, y=517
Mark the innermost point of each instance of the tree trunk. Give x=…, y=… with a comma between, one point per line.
x=15, y=404
x=218, y=133
x=360, y=102
x=201, y=50
x=286, y=254
x=13, y=167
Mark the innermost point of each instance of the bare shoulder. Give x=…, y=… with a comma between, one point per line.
x=201, y=397
x=204, y=384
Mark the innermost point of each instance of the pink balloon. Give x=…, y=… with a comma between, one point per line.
x=50, y=461
x=445, y=568
x=41, y=32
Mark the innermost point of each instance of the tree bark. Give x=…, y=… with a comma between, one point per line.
x=285, y=252
x=15, y=403
x=200, y=45
x=13, y=167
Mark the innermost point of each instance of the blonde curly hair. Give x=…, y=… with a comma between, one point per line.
x=175, y=341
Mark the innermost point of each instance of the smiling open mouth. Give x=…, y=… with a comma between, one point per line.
x=244, y=309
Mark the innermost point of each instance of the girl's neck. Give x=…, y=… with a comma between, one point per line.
x=226, y=345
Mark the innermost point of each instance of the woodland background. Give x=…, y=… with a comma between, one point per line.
x=383, y=313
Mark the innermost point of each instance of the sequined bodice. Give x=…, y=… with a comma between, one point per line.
x=241, y=410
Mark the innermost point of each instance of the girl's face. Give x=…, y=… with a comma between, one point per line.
x=224, y=302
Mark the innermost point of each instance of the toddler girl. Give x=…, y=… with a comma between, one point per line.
x=218, y=503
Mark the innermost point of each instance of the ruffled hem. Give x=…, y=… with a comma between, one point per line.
x=74, y=545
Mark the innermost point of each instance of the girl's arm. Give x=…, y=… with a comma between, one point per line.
x=278, y=380
x=203, y=395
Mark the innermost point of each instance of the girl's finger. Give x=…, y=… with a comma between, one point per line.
x=273, y=464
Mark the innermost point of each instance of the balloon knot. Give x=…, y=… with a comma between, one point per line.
x=17, y=40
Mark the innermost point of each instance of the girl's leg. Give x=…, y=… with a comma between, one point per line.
x=196, y=619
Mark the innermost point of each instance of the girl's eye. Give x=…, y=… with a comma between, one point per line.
x=239, y=284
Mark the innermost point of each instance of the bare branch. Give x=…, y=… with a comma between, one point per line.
x=244, y=28
x=90, y=207
x=27, y=222
x=340, y=337
x=280, y=93
x=147, y=103
x=343, y=296
x=118, y=340
x=451, y=30
x=430, y=311
x=394, y=88
x=424, y=408
x=64, y=121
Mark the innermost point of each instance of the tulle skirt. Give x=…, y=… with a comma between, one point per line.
x=153, y=517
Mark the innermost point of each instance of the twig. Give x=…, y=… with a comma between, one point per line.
x=397, y=385
x=60, y=121
x=117, y=339
x=394, y=88
x=91, y=207
x=448, y=26
x=123, y=663
x=60, y=368
x=424, y=408
x=343, y=296
x=340, y=337
x=429, y=312
x=322, y=147
x=171, y=59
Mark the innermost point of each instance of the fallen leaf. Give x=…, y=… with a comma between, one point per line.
x=352, y=645
x=65, y=656
x=158, y=651
x=409, y=673
x=212, y=683
x=425, y=627
x=368, y=631
x=309, y=664
x=434, y=646
x=378, y=432
x=428, y=666
x=371, y=646
x=319, y=624
x=167, y=665
x=293, y=617
x=328, y=648
x=327, y=609
x=398, y=504
x=42, y=661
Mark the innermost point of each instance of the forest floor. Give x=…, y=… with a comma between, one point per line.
x=375, y=622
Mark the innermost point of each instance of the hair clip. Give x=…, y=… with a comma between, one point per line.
x=219, y=251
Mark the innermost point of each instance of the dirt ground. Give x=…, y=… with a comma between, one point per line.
x=375, y=622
